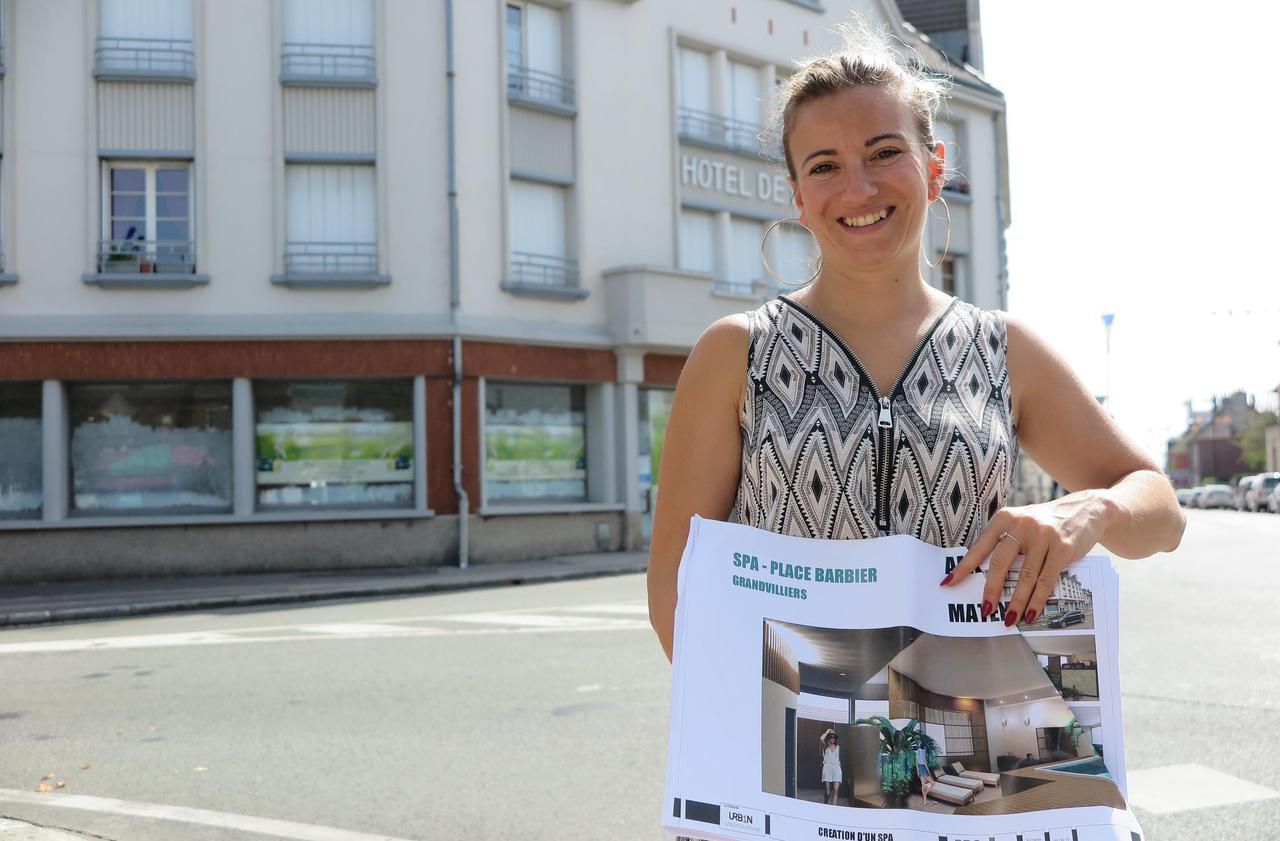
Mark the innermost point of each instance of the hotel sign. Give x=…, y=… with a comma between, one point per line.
x=731, y=182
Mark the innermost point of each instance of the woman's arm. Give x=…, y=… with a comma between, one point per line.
x=701, y=459
x=1119, y=496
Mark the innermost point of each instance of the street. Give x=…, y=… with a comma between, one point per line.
x=540, y=712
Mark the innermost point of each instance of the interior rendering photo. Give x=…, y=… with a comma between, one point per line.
x=973, y=726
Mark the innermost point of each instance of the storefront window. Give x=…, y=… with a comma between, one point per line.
x=655, y=410
x=21, y=476
x=335, y=444
x=535, y=443
x=150, y=447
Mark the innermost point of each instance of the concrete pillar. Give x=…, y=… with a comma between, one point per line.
x=601, y=459
x=55, y=447
x=420, y=443
x=627, y=441
x=244, y=448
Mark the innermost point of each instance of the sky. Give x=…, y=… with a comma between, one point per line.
x=1144, y=182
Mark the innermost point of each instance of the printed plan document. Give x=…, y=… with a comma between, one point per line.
x=831, y=690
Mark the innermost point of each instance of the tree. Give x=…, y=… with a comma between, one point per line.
x=1252, y=440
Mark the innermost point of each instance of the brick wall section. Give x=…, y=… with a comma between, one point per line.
x=534, y=362
x=662, y=369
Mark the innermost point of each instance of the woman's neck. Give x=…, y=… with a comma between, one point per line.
x=855, y=299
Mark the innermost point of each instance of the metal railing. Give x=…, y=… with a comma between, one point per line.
x=142, y=256
x=692, y=124
x=331, y=257
x=539, y=86
x=543, y=270
x=729, y=287
x=344, y=62
x=145, y=56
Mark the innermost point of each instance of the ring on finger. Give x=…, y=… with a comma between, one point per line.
x=1005, y=534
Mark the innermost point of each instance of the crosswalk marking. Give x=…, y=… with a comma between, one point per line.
x=569, y=619
x=1178, y=788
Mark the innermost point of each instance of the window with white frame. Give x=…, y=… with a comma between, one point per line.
x=797, y=253
x=536, y=67
x=145, y=38
x=328, y=40
x=535, y=442
x=948, y=134
x=744, y=100
x=744, y=256
x=950, y=276
x=539, y=240
x=331, y=220
x=697, y=119
x=147, y=225
x=697, y=241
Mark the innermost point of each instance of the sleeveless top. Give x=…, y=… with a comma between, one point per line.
x=825, y=455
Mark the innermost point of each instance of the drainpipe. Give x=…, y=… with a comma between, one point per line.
x=1002, y=165
x=455, y=301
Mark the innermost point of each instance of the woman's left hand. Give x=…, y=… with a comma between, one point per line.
x=1049, y=536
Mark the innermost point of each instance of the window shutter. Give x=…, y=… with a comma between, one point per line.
x=537, y=219
x=545, y=40
x=345, y=22
x=695, y=80
x=697, y=241
x=330, y=204
x=168, y=19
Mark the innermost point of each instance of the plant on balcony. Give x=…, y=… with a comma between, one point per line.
x=898, y=756
x=125, y=254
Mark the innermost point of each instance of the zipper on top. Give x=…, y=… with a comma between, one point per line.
x=884, y=424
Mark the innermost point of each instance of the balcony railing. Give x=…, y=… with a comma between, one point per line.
x=327, y=63
x=338, y=258
x=538, y=86
x=728, y=287
x=162, y=57
x=717, y=130
x=543, y=270
x=138, y=256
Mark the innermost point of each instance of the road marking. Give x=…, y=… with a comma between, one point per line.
x=537, y=620
x=1178, y=788
x=182, y=814
x=623, y=609
x=350, y=628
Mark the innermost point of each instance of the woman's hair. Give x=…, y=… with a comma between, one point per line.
x=868, y=59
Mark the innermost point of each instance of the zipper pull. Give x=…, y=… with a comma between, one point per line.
x=886, y=413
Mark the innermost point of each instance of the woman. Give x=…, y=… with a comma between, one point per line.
x=831, y=775
x=868, y=403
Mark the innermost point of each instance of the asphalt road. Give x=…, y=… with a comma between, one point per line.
x=539, y=712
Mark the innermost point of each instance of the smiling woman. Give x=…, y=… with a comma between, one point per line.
x=869, y=403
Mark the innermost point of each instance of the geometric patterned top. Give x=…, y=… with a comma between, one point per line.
x=825, y=455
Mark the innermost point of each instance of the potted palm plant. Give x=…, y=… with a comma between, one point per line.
x=898, y=748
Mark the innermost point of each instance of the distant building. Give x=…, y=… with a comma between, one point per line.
x=1209, y=448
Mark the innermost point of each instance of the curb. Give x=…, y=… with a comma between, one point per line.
x=349, y=591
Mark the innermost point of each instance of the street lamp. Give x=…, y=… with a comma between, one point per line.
x=1107, y=318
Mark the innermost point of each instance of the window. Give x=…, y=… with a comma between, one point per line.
x=697, y=241
x=744, y=99
x=958, y=730
x=150, y=447
x=797, y=253
x=535, y=55
x=21, y=465
x=334, y=444
x=951, y=276
x=948, y=134
x=148, y=219
x=696, y=118
x=328, y=40
x=145, y=38
x=535, y=443
x=744, y=256
x=331, y=219
x=539, y=235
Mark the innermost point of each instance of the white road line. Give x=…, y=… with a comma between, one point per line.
x=622, y=609
x=182, y=814
x=536, y=620
x=349, y=628
x=176, y=640
x=1177, y=788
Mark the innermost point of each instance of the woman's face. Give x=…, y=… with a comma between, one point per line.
x=863, y=180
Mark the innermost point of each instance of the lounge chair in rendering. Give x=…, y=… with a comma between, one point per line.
x=988, y=779
x=959, y=782
x=955, y=795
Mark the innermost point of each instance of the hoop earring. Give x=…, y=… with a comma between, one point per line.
x=947, y=244
x=765, y=259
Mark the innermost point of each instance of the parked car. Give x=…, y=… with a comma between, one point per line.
x=1070, y=617
x=1255, y=499
x=1242, y=491
x=1193, y=501
x=1273, y=501
x=1216, y=496
x=1184, y=494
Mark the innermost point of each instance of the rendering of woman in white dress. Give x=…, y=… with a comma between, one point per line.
x=831, y=775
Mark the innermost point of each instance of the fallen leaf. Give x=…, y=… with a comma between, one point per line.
x=48, y=776
x=86, y=766
x=62, y=783
x=43, y=787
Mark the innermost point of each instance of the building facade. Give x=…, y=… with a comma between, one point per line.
x=299, y=283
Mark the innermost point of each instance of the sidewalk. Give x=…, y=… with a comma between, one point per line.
x=81, y=600
x=11, y=830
